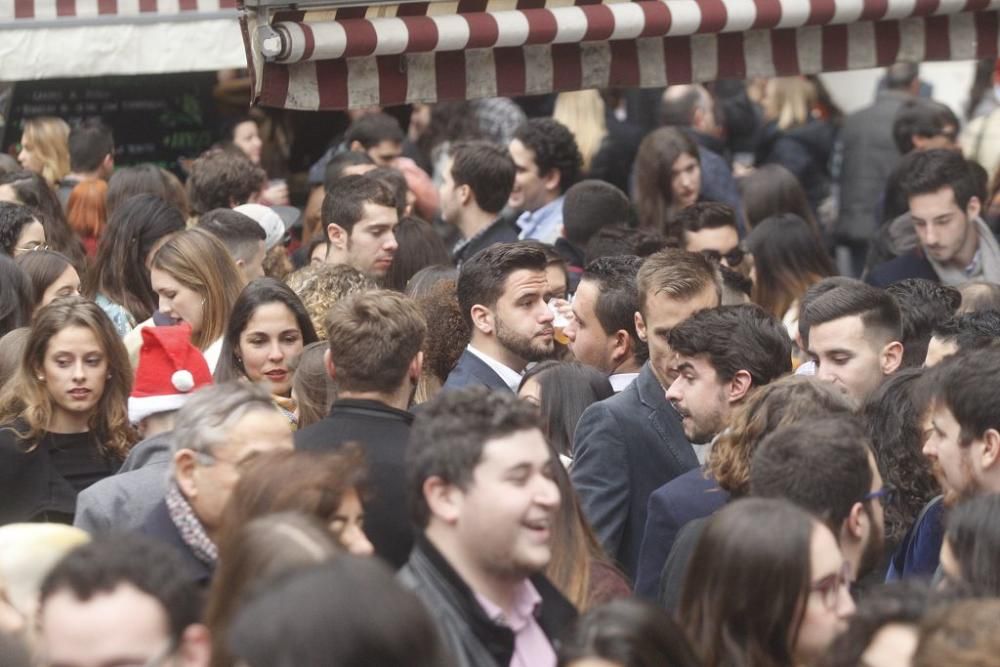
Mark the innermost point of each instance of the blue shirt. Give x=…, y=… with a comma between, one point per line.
x=543, y=225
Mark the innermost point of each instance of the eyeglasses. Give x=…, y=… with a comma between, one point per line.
x=733, y=257
x=208, y=459
x=32, y=246
x=829, y=587
x=885, y=494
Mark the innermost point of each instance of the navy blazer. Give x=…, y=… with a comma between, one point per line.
x=159, y=526
x=471, y=371
x=692, y=495
x=626, y=447
x=911, y=265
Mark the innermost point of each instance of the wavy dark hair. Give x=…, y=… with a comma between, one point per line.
x=259, y=292
x=974, y=537
x=892, y=418
x=13, y=219
x=134, y=229
x=419, y=247
x=43, y=267
x=567, y=389
x=16, y=297
x=654, y=165
x=34, y=192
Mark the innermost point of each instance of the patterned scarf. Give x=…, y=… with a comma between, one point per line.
x=189, y=527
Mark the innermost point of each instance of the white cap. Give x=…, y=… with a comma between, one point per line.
x=267, y=219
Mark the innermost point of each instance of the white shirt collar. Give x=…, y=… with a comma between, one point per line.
x=510, y=377
x=621, y=380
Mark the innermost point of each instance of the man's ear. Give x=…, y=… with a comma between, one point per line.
x=483, y=320
x=185, y=463
x=640, y=327
x=195, y=648
x=856, y=521
x=740, y=386
x=552, y=179
x=416, y=367
x=356, y=147
x=443, y=499
x=991, y=448
x=621, y=348
x=891, y=357
x=337, y=236
x=973, y=208
x=465, y=195
x=331, y=368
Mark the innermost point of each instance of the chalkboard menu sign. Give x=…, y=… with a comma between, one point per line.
x=157, y=118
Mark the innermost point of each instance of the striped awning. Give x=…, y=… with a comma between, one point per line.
x=349, y=57
x=74, y=38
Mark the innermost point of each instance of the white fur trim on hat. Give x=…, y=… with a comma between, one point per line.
x=140, y=408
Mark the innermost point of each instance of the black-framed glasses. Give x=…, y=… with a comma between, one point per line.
x=885, y=494
x=828, y=588
x=733, y=257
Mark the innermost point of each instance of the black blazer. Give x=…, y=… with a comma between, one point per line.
x=501, y=230
x=471, y=371
x=910, y=265
x=160, y=527
x=383, y=433
x=692, y=495
x=626, y=447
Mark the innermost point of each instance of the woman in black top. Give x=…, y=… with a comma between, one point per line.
x=63, y=418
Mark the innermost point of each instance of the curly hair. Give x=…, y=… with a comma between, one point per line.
x=892, y=418
x=554, y=147
x=447, y=331
x=13, y=219
x=322, y=285
x=220, y=177
x=782, y=402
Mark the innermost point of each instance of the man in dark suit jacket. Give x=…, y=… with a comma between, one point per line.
x=723, y=354
x=632, y=443
x=501, y=291
x=375, y=359
x=475, y=184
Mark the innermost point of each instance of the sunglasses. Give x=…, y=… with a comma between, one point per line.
x=732, y=258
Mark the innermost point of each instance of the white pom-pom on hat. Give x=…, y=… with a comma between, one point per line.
x=182, y=380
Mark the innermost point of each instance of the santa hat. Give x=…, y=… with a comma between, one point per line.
x=170, y=369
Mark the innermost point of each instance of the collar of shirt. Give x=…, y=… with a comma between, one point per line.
x=544, y=224
x=510, y=377
x=973, y=268
x=620, y=381
x=525, y=605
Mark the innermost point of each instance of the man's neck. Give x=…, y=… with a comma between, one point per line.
x=492, y=348
x=501, y=591
x=400, y=399
x=630, y=365
x=967, y=253
x=83, y=175
x=474, y=220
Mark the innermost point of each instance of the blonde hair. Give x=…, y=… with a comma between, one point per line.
x=27, y=398
x=789, y=100
x=49, y=140
x=582, y=112
x=198, y=260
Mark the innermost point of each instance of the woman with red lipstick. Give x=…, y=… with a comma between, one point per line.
x=267, y=329
x=63, y=418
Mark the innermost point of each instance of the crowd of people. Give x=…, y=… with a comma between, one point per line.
x=699, y=377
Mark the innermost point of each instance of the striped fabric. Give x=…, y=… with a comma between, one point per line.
x=426, y=52
x=27, y=10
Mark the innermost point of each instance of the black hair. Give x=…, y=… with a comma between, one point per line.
x=240, y=233
x=617, y=296
x=630, y=633
x=926, y=172
x=974, y=537
x=614, y=241
x=487, y=169
x=450, y=432
x=257, y=293
x=378, y=621
x=145, y=179
x=878, y=311
x=396, y=181
x=483, y=277
x=43, y=267
x=815, y=291
x=89, y=143
x=344, y=204
x=13, y=219
x=554, y=147
x=967, y=384
x=970, y=330
x=222, y=179
x=923, y=306
x=820, y=464
x=704, y=215
x=133, y=230
x=129, y=560
x=420, y=246
x=567, y=389
x=341, y=161
x=735, y=338
x=372, y=129
x=921, y=117
x=16, y=297
x=591, y=205
x=893, y=419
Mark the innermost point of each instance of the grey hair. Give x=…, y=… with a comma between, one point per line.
x=203, y=423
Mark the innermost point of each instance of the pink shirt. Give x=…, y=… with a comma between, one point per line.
x=531, y=646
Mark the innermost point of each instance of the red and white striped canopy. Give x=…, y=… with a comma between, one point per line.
x=69, y=10
x=338, y=58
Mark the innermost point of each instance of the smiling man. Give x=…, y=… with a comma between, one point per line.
x=483, y=495
x=956, y=245
x=359, y=214
x=854, y=334
x=501, y=291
